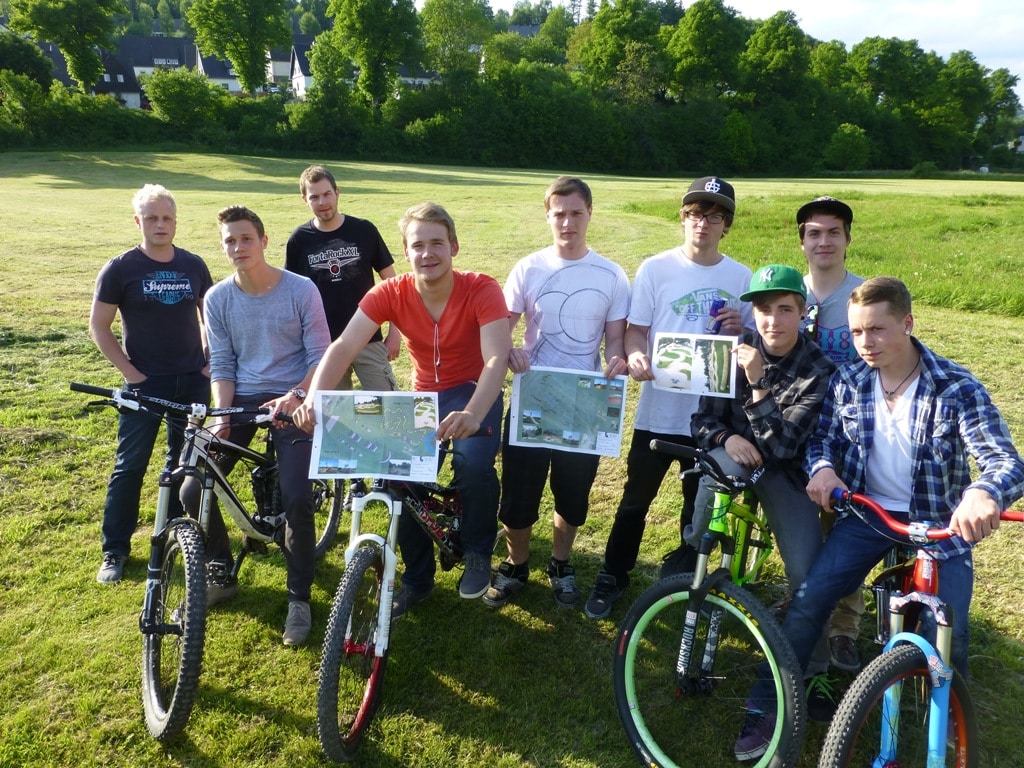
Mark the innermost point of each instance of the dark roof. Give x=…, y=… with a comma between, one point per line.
x=153, y=52
x=116, y=67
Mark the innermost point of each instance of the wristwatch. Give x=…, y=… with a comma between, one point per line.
x=298, y=392
x=761, y=383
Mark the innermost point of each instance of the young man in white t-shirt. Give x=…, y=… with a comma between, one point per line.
x=672, y=292
x=573, y=300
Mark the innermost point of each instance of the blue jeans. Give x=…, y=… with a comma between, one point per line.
x=477, y=481
x=293, y=448
x=136, y=438
x=849, y=553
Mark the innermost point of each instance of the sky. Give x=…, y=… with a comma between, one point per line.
x=993, y=30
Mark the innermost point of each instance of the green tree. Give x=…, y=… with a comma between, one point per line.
x=525, y=13
x=242, y=31
x=705, y=47
x=378, y=36
x=165, y=17
x=24, y=58
x=309, y=24
x=599, y=46
x=78, y=27
x=830, y=64
x=777, y=59
x=892, y=72
x=556, y=29
x=454, y=32
x=24, y=106
x=848, y=149
x=181, y=97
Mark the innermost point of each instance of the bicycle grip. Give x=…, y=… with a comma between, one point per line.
x=674, y=449
x=89, y=389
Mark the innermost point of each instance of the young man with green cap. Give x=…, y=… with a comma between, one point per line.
x=781, y=383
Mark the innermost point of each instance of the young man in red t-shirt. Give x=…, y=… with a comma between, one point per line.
x=456, y=327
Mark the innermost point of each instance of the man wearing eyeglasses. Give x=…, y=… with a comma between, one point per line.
x=824, y=225
x=673, y=292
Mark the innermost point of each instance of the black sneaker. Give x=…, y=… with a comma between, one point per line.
x=755, y=736
x=606, y=591
x=505, y=582
x=563, y=583
x=683, y=559
x=844, y=654
x=821, y=698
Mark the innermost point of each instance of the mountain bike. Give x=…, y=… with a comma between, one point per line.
x=173, y=617
x=908, y=707
x=688, y=651
x=358, y=635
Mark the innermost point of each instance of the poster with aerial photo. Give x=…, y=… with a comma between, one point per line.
x=390, y=435
x=568, y=410
x=695, y=364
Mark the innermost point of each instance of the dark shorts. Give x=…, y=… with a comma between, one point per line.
x=524, y=472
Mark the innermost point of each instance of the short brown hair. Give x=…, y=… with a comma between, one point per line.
x=235, y=213
x=428, y=212
x=312, y=175
x=875, y=290
x=564, y=186
x=705, y=207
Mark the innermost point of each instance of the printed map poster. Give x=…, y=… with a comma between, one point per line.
x=568, y=410
x=391, y=435
x=695, y=364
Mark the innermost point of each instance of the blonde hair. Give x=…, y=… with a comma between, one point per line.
x=431, y=212
x=152, y=192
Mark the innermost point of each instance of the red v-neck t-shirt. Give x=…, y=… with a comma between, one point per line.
x=445, y=354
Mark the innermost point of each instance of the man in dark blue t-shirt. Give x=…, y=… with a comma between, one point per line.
x=157, y=288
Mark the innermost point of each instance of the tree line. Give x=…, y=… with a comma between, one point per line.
x=624, y=86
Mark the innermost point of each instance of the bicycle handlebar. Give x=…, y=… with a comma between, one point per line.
x=126, y=398
x=917, y=532
x=707, y=464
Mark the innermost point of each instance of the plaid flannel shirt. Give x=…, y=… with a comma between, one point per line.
x=952, y=419
x=779, y=424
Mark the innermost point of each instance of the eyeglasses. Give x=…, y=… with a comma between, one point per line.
x=710, y=218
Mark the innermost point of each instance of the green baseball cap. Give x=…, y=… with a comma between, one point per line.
x=776, y=277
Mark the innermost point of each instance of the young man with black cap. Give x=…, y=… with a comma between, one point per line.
x=782, y=382
x=824, y=226
x=673, y=292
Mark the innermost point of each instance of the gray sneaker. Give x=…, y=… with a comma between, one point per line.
x=563, y=584
x=606, y=591
x=298, y=624
x=112, y=569
x=506, y=581
x=477, y=576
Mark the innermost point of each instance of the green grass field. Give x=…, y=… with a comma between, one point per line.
x=466, y=686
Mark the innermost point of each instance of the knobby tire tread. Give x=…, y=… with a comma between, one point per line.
x=340, y=742
x=168, y=703
x=331, y=494
x=864, y=696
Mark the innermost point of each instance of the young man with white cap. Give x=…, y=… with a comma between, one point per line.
x=673, y=292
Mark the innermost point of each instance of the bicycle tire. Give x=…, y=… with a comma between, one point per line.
x=328, y=504
x=854, y=736
x=351, y=674
x=172, y=658
x=666, y=725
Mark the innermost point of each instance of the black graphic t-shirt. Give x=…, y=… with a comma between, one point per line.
x=158, y=303
x=341, y=263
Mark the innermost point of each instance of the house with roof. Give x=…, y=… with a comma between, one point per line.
x=298, y=70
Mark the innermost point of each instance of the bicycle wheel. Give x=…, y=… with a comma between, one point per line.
x=854, y=738
x=351, y=673
x=328, y=501
x=673, y=722
x=172, y=656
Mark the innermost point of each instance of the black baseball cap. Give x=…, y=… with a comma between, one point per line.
x=714, y=190
x=825, y=204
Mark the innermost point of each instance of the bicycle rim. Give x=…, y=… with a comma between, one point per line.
x=351, y=673
x=669, y=723
x=172, y=657
x=328, y=500
x=855, y=735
